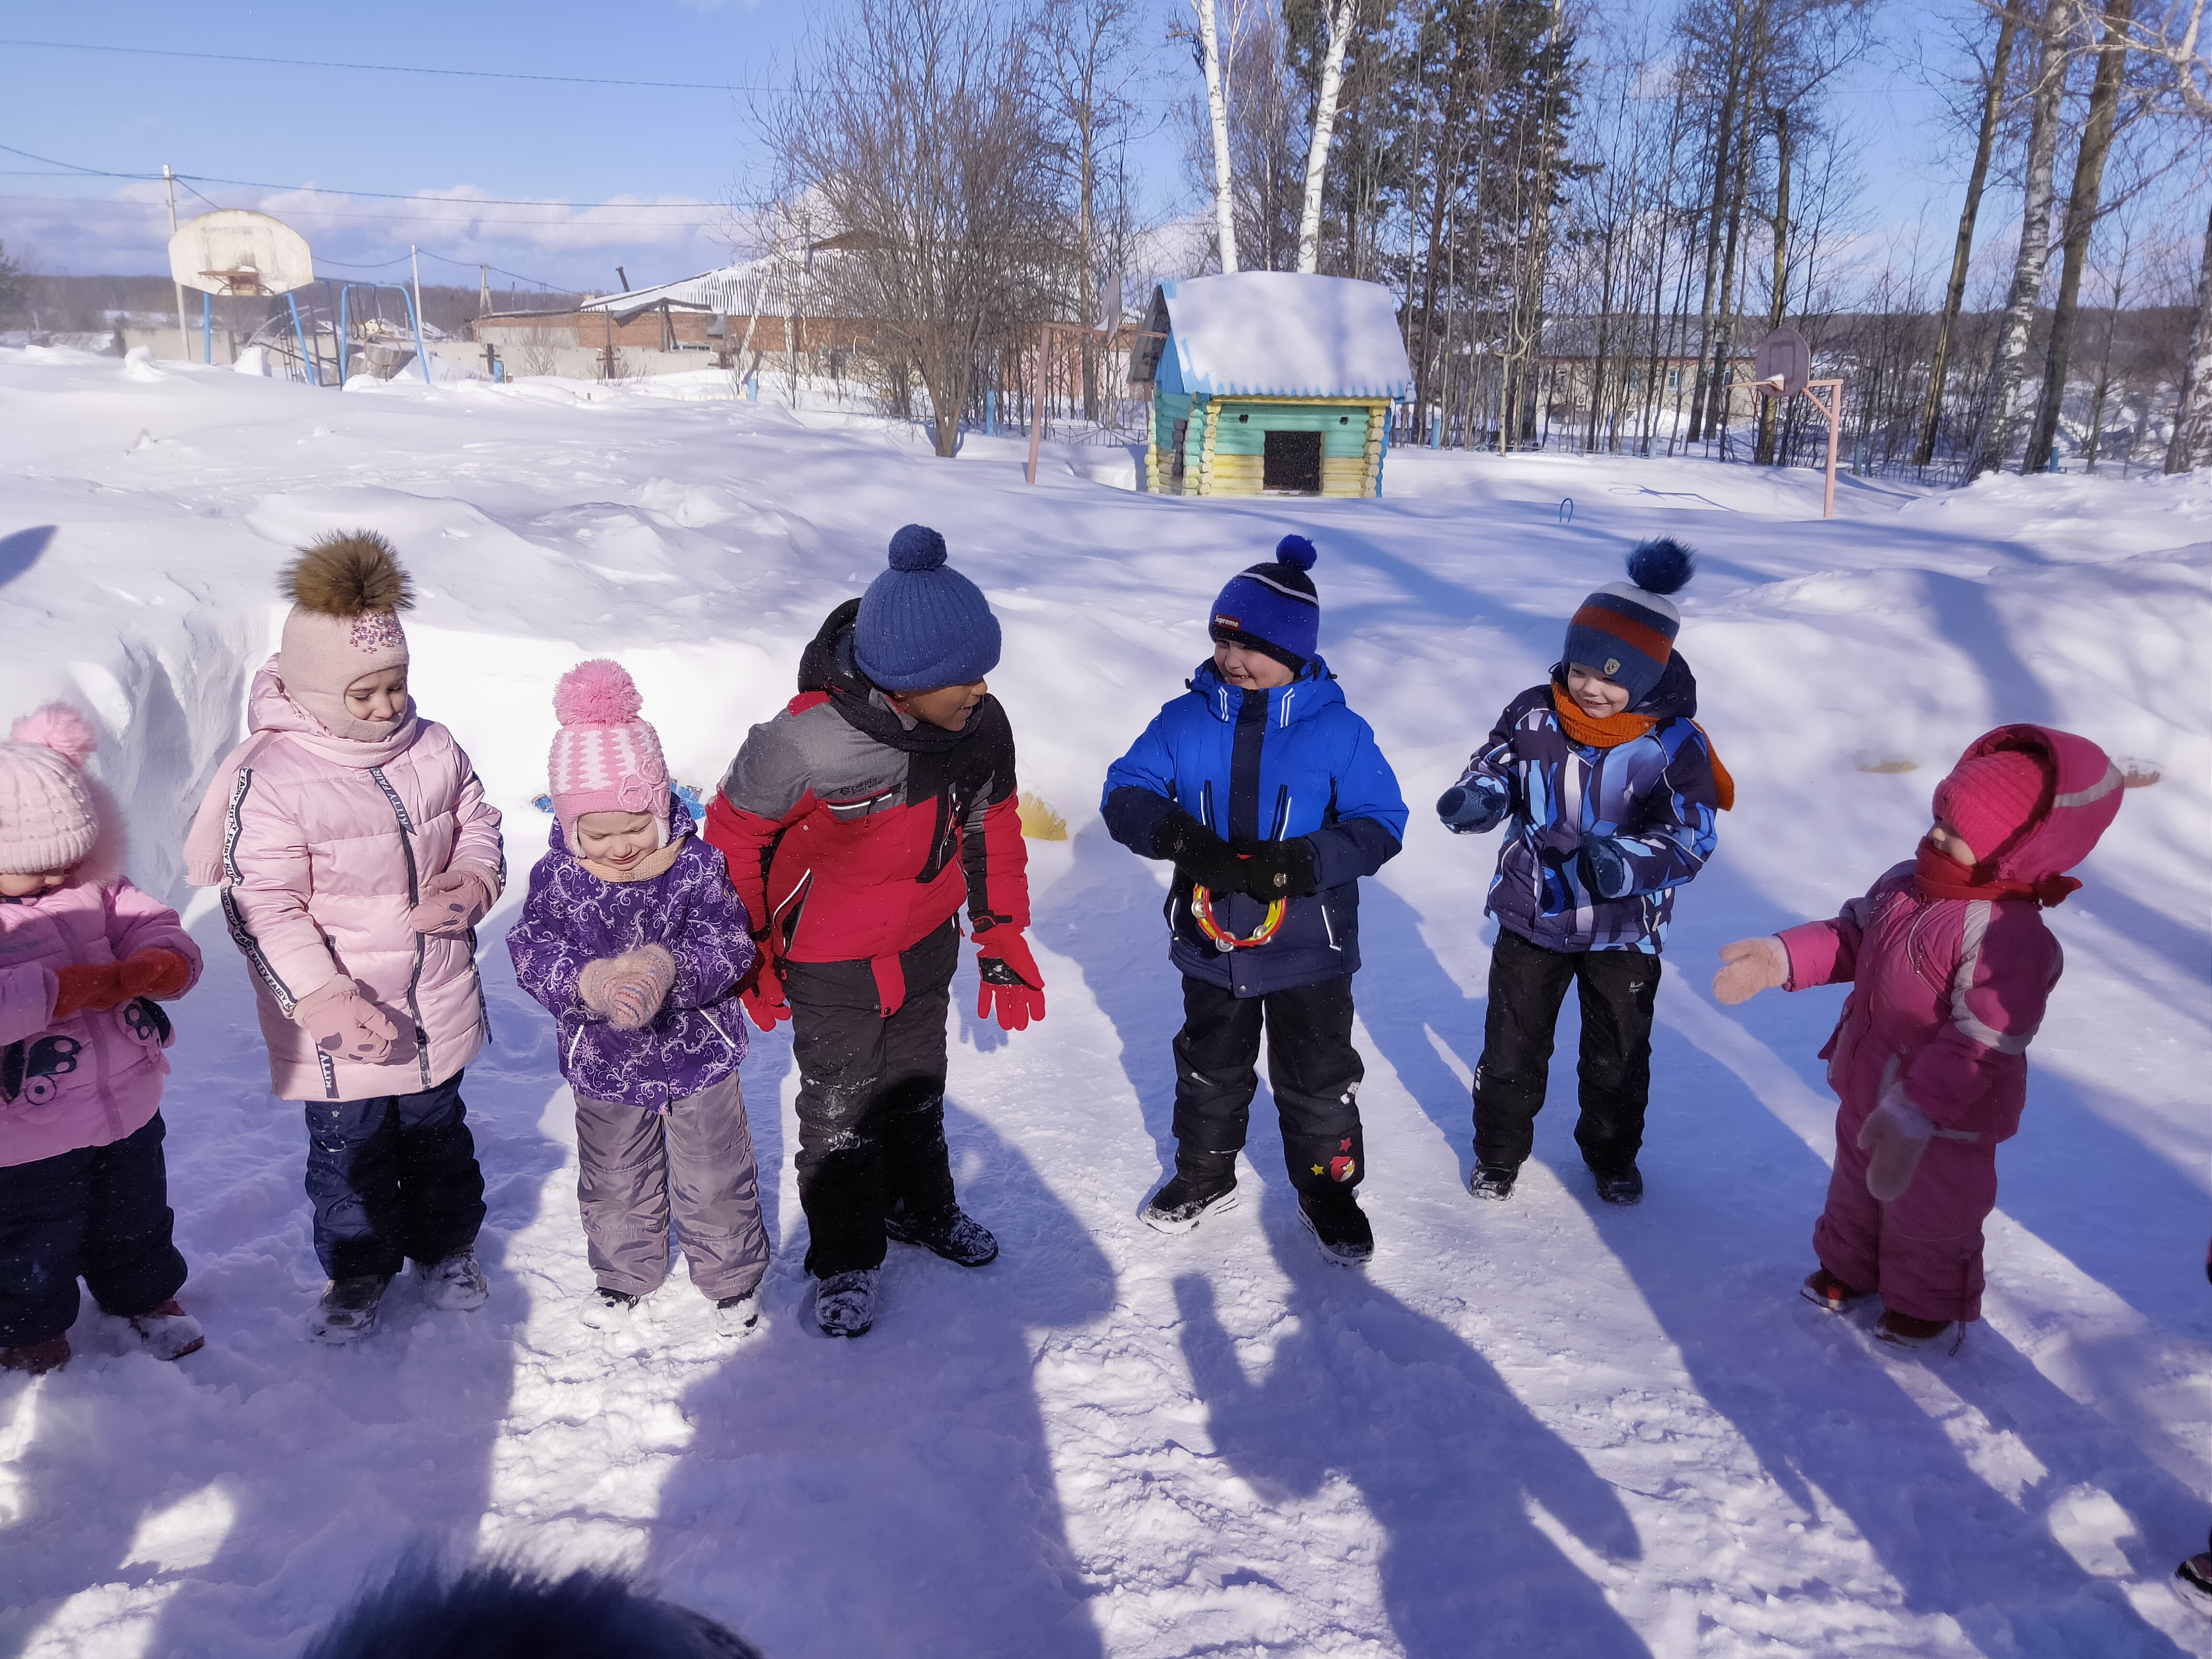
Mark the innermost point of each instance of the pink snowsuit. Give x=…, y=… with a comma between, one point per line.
x=1946, y=995
x=95, y=1078
x=321, y=845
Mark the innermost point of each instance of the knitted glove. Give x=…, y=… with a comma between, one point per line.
x=1750, y=966
x=1010, y=979
x=761, y=991
x=88, y=988
x=1469, y=809
x=451, y=903
x=627, y=991
x=1610, y=873
x=1894, y=1135
x=345, y=1025
x=1198, y=852
x=1280, y=869
x=155, y=973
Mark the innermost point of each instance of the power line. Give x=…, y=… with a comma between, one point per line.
x=390, y=69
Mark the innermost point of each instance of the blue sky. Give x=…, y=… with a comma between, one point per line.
x=673, y=159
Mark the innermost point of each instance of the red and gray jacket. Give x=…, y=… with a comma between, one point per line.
x=853, y=831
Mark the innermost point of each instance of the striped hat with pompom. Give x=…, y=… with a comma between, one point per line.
x=1272, y=607
x=1625, y=631
x=606, y=759
x=48, y=820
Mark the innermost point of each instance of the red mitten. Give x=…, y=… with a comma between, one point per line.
x=91, y=988
x=155, y=973
x=760, y=993
x=1010, y=979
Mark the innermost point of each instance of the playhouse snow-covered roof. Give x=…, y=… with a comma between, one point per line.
x=1283, y=334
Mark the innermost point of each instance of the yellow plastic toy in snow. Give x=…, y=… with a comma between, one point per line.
x=1201, y=906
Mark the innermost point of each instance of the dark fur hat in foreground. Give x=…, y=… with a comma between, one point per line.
x=347, y=573
x=506, y=1610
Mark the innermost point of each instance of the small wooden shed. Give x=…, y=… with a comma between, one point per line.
x=1270, y=382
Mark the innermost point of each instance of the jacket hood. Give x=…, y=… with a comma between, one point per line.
x=1676, y=696
x=1314, y=689
x=2085, y=799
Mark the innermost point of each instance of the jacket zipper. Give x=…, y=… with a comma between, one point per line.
x=414, y=898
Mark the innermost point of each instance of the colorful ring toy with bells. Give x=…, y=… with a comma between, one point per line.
x=1201, y=906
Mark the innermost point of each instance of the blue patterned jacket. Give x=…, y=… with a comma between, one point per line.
x=1652, y=798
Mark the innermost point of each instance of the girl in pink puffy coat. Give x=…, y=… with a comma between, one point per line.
x=356, y=852
x=86, y=959
x=1950, y=965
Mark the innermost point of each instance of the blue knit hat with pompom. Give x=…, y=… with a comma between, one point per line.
x=1272, y=607
x=922, y=624
x=1625, y=631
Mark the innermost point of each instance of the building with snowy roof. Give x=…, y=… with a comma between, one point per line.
x=1270, y=382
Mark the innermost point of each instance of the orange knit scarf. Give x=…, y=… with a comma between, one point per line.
x=1614, y=730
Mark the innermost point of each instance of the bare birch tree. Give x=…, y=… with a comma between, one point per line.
x=2191, y=444
x=2000, y=410
x=1340, y=15
x=1216, y=106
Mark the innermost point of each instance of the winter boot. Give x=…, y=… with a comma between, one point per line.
x=1186, y=1200
x=737, y=1317
x=607, y=1310
x=1494, y=1181
x=2192, y=1581
x=168, y=1332
x=1904, y=1331
x=1823, y=1289
x=1339, y=1225
x=37, y=1359
x=456, y=1283
x=1622, y=1186
x=955, y=1236
x=347, y=1312
x=845, y=1304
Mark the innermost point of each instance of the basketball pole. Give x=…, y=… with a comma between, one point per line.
x=183, y=337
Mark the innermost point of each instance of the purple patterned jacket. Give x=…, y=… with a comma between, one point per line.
x=572, y=918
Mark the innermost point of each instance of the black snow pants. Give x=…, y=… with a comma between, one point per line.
x=392, y=1177
x=100, y=1214
x=1527, y=985
x=1313, y=1071
x=871, y=1099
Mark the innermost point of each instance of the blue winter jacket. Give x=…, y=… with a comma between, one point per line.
x=1652, y=798
x=1264, y=766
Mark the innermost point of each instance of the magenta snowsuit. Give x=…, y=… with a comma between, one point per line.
x=1946, y=994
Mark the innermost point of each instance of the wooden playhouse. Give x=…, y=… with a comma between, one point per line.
x=1270, y=382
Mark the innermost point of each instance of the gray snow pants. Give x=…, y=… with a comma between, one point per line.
x=697, y=1157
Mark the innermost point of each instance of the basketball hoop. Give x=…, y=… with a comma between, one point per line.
x=243, y=254
x=1782, y=367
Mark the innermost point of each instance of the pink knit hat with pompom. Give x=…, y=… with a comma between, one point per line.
x=47, y=818
x=605, y=759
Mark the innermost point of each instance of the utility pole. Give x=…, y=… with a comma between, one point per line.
x=415, y=263
x=483, y=308
x=184, y=340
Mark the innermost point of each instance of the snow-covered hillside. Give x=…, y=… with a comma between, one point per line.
x=1542, y=1426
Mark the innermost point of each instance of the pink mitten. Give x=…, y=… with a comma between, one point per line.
x=450, y=904
x=345, y=1025
x=1750, y=966
x=627, y=991
x=1894, y=1135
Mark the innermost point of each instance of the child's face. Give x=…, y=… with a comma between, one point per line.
x=378, y=696
x=1947, y=840
x=1249, y=669
x=36, y=881
x=620, y=839
x=948, y=706
x=1596, y=695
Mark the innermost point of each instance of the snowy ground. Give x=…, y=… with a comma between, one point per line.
x=1542, y=1426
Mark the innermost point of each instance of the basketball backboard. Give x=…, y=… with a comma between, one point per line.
x=1782, y=361
x=236, y=251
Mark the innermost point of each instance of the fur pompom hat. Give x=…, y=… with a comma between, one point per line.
x=347, y=592
x=49, y=817
x=605, y=758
